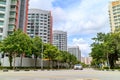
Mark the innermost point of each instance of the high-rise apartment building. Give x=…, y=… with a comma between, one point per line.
x=60, y=40
x=40, y=24
x=13, y=15
x=75, y=51
x=114, y=15
x=86, y=60
x=23, y=15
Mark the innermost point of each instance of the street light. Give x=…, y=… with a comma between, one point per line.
x=42, y=57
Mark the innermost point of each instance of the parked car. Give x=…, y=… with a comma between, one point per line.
x=78, y=67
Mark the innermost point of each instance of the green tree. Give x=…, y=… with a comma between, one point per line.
x=106, y=48
x=59, y=58
x=16, y=44
x=68, y=58
x=37, y=48
x=50, y=53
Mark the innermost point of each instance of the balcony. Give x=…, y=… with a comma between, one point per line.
x=1, y=23
x=12, y=16
x=3, y=4
x=1, y=19
x=1, y=34
x=1, y=26
x=14, y=3
x=3, y=12
x=12, y=22
x=13, y=9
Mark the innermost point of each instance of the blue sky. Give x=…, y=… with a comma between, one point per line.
x=82, y=19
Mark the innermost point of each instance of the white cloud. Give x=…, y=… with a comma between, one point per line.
x=88, y=17
x=41, y=4
x=59, y=15
x=84, y=18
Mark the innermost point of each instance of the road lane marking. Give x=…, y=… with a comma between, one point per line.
x=87, y=79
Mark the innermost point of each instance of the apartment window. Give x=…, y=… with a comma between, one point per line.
x=32, y=26
x=41, y=20
x=37, y=24
x=13, y=7
x=45, y=33
x=45, y=37
x=33, y=16
x=29, y=23
x=41, y=23
x=45, y=20
x=2, y=15
x=45, y=14
x=40, y=33
x=45, y=40
x=45, y=30
x=37, y=27
x=41, y=26
x=3, y=2
x=28, y=26
x=45, y=17
x=2, y=8
x=13, y=1
x=37, y=16
x=11, y=26
x=1, y=30
x=41, y=30
x=115, y=16
x=1, y=23
x=48, y=22
x=45, y=24
x=12, y=14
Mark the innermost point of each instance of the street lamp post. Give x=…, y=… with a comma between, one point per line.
x=42, y=57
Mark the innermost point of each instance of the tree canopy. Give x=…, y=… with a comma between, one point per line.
x=106, y=48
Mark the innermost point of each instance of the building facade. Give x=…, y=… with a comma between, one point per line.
x=114, y=15
x=23, y=15
x=13, y=15
x=40, y=24
x=75, y=51
x=60, y=40
x=86, y=60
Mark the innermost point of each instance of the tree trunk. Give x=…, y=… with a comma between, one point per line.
x=49, y=63
x=111, y=60
x=35, y=61
x=14, y=62
x=10, y=59
x=58, y=64
x=21, y=55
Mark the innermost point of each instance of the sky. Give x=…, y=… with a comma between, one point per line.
x=81, y=19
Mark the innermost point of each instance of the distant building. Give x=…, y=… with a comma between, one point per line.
x=86, y=60
x=13, y=15
x=75, y=51
x=114, y=15
x=60, y=40
x=40, y=24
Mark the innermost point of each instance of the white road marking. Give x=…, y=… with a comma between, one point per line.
x=87, y=79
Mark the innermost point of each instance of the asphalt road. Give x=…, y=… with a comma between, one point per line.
x=86, y=74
